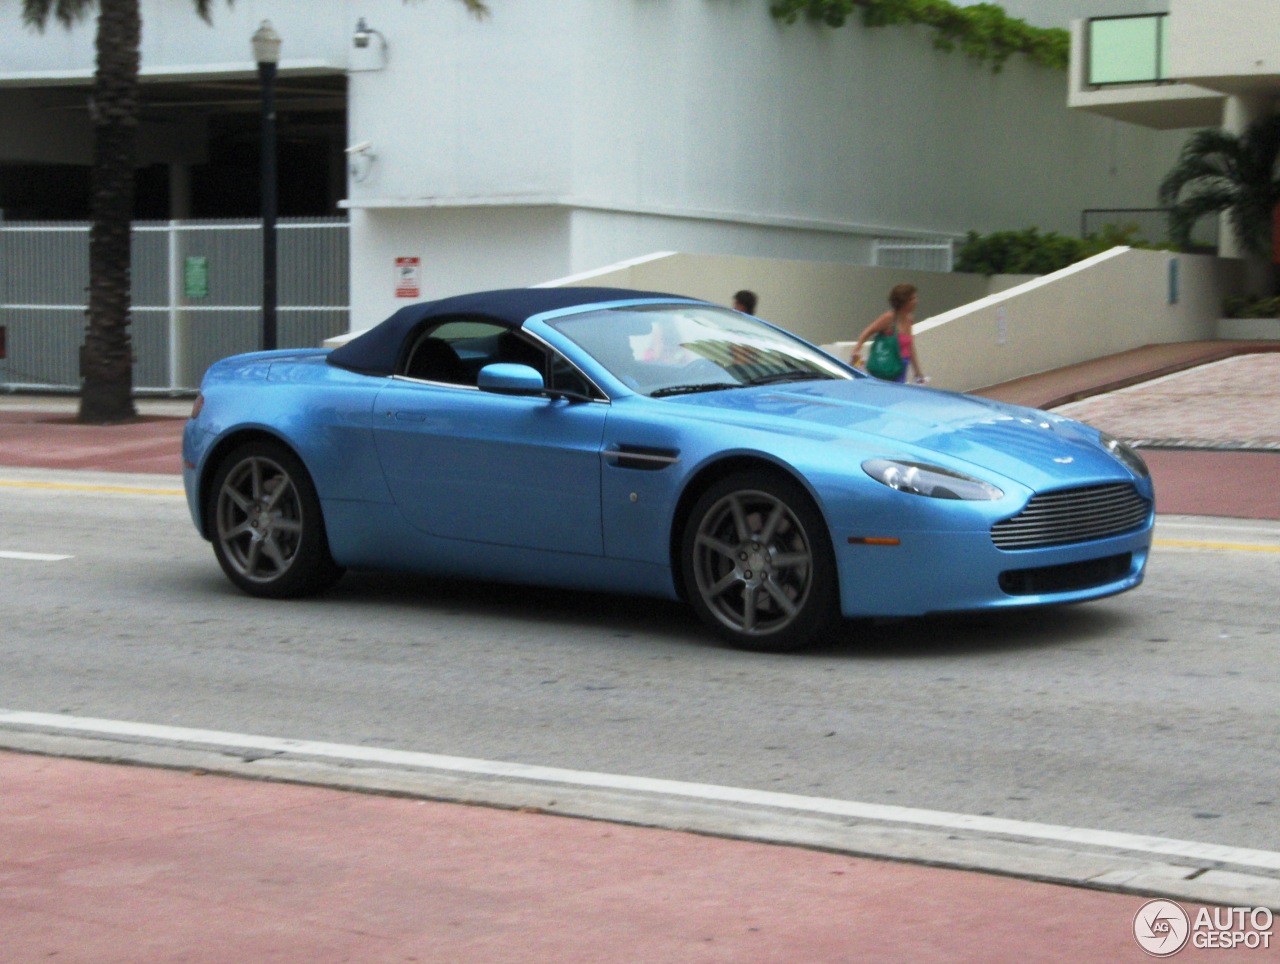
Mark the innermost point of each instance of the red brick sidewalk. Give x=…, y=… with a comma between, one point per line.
x=116, y=863
x=51, y=440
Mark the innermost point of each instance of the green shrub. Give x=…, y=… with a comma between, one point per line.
x=982, y=30
x=1252, y=306
x=1030, y=252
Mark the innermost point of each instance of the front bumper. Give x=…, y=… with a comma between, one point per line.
x=929, y=572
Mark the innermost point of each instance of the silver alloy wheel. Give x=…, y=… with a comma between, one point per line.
x=753, y=563
x=259, y=519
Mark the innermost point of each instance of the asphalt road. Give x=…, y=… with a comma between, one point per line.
x=1151, y=713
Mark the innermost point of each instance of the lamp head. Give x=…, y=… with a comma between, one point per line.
x=266, y=44
x=362, y=34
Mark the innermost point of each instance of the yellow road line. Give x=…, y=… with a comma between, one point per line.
x=1224, y=546
x=77, y=487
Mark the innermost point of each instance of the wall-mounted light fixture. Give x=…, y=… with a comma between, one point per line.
x=360, y=158
x=369, y=47
x=364, y=33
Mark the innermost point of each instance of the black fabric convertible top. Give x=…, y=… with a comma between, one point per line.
x=377, y=351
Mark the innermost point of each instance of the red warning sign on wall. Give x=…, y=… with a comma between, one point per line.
x=408, y=277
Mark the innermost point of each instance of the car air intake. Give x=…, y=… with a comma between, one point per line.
x=1069, y=578
x=1073, y=515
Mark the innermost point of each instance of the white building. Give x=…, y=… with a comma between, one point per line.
x=558, y=136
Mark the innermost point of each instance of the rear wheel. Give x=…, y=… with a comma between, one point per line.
x=267, y=528
x=758, y=565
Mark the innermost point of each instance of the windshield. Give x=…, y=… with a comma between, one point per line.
x=662, y=350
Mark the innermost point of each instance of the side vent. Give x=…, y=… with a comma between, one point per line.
x=642, y=457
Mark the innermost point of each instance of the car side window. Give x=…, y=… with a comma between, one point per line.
x=566, y=378
x=453, y=352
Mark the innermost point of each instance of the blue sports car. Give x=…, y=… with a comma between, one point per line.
x=647, y=443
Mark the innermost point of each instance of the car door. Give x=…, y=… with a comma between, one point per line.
x=482, y=467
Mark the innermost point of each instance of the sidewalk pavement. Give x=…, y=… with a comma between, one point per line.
x=108, y=863
x=105, y=863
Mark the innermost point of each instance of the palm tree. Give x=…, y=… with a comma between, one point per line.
x=1222, y=172
x=106, y=357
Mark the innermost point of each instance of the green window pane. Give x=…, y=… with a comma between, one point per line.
x=1127, y=50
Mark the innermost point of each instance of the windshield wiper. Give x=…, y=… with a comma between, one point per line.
x=778, y=377
x=690, y=389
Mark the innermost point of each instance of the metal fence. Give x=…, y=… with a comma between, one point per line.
x=197, y=296
x=921, y=254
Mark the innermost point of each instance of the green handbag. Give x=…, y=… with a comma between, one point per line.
x=885, y=358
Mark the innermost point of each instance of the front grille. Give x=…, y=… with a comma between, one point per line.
x=1073, y=515
x=1069, y=578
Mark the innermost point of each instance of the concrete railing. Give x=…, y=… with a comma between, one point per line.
x=1118, y=300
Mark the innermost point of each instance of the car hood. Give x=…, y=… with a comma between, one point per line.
x=875, y=418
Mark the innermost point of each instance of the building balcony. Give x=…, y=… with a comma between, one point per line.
x=1121, y=68
x=1176, y=69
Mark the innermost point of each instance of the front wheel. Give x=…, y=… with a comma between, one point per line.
x=758, y=565
x=267, y=528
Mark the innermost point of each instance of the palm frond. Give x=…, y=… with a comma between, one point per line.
x=478, y=8
x=1208, y=155
x=1184, y=215
x=1219, y=172
x=36, y=13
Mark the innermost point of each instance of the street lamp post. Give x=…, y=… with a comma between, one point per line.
x=266, y=51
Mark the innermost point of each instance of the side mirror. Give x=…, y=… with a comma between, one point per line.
x=504, y=378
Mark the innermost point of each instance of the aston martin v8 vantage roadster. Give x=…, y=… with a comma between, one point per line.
x=637, y=442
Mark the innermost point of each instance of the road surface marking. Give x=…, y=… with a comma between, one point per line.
x=240, y=743
x=34, y=556
x=1218, y=546
x=79, y=487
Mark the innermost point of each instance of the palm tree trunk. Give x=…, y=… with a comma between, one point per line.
x=106, y=358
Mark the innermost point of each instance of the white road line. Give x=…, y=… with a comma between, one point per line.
x=937, y=819
x=34, y=556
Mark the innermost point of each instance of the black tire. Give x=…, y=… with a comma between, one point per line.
x=758, y=565
x=266, y=525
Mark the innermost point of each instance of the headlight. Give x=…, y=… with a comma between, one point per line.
x=930, y=480
x=1125, y=453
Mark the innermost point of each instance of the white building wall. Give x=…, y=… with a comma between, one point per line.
x=457, y=248
x=718, y=108
x=695, y=125
x=465, y=111
x=1230, y=45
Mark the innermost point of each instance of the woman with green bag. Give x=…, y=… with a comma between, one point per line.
x=893, y=349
